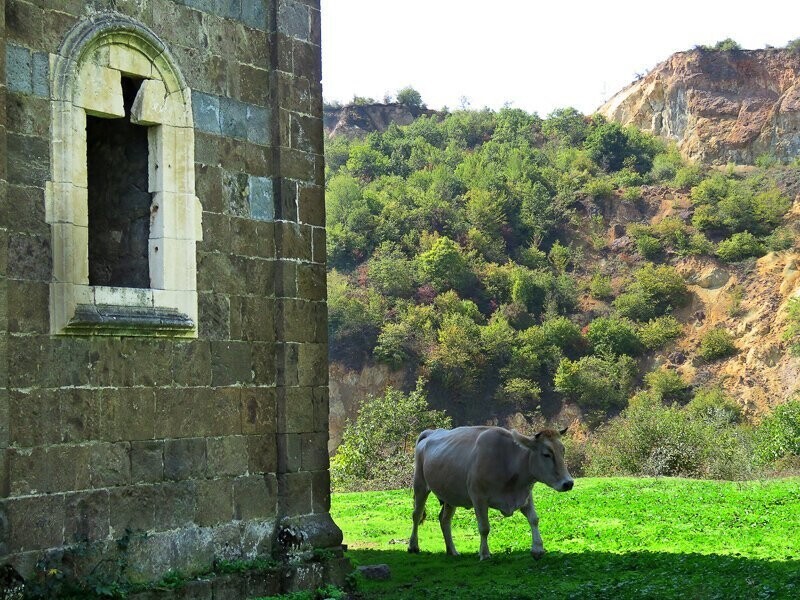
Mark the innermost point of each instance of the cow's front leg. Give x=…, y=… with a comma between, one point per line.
x=537, y=549
x=482, y=514
x=445, y=519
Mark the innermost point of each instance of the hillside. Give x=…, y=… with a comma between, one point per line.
x=357, y=120
x=718, y=106
x=553, y=269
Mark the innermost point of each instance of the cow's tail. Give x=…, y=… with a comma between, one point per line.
x=423, y=435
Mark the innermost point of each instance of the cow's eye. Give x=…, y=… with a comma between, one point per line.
x=547, y=455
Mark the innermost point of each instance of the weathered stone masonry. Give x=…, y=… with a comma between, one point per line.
x=209, y=433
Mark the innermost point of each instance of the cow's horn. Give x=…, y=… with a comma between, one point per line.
x=563, y=431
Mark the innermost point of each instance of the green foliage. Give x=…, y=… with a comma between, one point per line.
x=596, y=382
x=716, y=344
x=740, y=246
x=779, y=433
x=713, y=405
x=654, y=292
x=794, y=46
x=726, y=45
x=523, y=393
x=391, y=272
x=445, y=266
x=658, y=332
x=377, y=449
x=666, y=165
x=780, y=239
x=599, y=188
x=563, y=334
x=688, y=176
x=410, y=97
x=354, y=316
x=667, y=385
x=567, y=125
x=610, y=335
x=613, y=147
x=456, y=360
x=600, y=286
x=652, y=439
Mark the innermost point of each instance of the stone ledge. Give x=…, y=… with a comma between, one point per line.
x=107, y=319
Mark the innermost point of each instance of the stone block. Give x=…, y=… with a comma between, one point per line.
x=294, y=20
x=233, y=118
x=286, y=363
x=306, y=62
x=266, y=244
x=252, y=86
x=295, y=410
x=99, y=91
x=30, y=257
x=185, y=459
x=259, y=124
x=301, y=166
x=41, y=74
x=228, y=9
x=294, y=241
x=214, y=502
x=260, y=277
x=81, y=414
x=19, y=69
x=191, y=363
x=233, y=155
x=110, y=464
x=33, y=418
x=220, y=273
x=254, y=497
x=258, y=322
x=87, y=516
x=217, y=235
x=262, y=454
x=175, y=504
x=208, y=181
x=321, y=491
x=319, y=252
x=290, y=452
x=236, y=190
x=294, y=493
x=50, y=469
x=28, y=115
x=227, y=455
x=315, y=451
x=258, y=411
x=258, y=160
x=147, y=462
x=28, y=307
x=312, y=205
x=244, y=239
x=311, y=282
x=312, y=365
x=35, y=522
x=206, y=112
x=230, y=363
x=286, y=205
x=23, y=210
x=131, y=508
x=254, y=14
x=228, y=587
x=5, y=411
x=262, y=201
x=28, y=160
x=128, y=414
x=286, y=282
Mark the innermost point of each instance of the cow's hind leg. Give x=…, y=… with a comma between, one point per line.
x=537, y=549
x=421, y=492
x=445, y=519
x=482, y=514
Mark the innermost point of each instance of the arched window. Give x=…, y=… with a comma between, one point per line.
x=121, y=201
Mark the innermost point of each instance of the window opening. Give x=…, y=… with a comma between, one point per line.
x=119, y=199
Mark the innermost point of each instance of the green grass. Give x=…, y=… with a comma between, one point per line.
x=608, y=538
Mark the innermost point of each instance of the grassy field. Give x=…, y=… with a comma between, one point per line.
x=608, y=538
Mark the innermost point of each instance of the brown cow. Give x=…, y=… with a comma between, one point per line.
x=485, y=467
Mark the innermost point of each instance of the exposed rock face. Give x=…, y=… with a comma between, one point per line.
x=359, y=119
x=718, y=106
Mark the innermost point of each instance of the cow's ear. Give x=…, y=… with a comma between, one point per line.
x=537, y=435
x=522, y=440
x=563, y=431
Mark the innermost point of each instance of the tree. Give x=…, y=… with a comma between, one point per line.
x=444, y=266
x=410, y=97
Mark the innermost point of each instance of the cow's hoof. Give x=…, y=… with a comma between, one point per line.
x=453, y=553
x=537, y=554
x=486, y=557
x=413, y=550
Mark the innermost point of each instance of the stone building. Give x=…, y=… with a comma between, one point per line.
x=163, y=338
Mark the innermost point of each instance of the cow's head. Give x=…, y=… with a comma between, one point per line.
x=546, y=461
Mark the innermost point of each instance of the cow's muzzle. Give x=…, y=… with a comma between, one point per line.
x=567, y=485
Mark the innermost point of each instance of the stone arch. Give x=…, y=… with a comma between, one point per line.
x=86, y=77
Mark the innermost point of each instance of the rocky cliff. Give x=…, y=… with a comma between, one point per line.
x=719, y=106
x=360, y=119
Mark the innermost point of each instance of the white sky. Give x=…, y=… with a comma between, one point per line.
x=533, y=54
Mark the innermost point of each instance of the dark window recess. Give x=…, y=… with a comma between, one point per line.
x=119, y=201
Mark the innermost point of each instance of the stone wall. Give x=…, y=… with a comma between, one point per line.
x=191, y=450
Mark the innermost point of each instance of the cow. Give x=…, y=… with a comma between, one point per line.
x=483, y=467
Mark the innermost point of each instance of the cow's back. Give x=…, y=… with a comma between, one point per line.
x=447, y=458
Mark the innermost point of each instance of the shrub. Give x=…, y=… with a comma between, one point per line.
x=726, y=45
x=563, y=334
x=444, y=265
x=410, y=97
x=688, y=176
x=779, y=433
x=632, y=194
x=654, y=292
x=392, y=273
x=666, y=165
x=456, y=360
x=740, y=246
x=794, y=46
x=600, y=286
x=667, y=385
x=599, y=188
x=656, y=440
x=523, y=393
x=716, y=344
x=649, y=246
x=658, y=332
x=595, y=382
x=714, y=406
x=780, y=239
x=613, y=335
x=376, y=451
